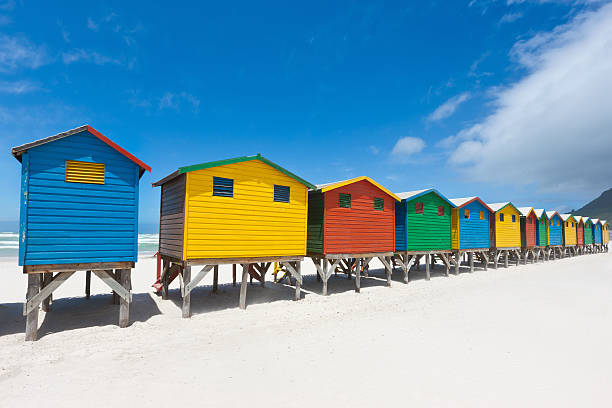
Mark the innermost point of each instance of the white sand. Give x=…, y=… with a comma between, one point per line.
x=535, y=335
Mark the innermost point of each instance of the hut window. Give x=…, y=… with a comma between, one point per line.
x=530, y=221
x=501, y=217
x=466, y=214
x=345, y=200
x=557, y=223
x=281, y=193
x=566, y=224
x=440, y=210
x=223, y=187
x=84, y=172
x=513, y=218
x=482, y=215
x=419, y=208
x=379, y=204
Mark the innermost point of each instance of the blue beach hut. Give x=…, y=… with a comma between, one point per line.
x=471, y=227
x=79, y=212
x=555, y=232
x=597, y=235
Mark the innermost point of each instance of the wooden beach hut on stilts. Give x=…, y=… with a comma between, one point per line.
x=529, y=233
x=569, y=234
x=244, y=211
x=79, y=212
x=471, y=231
x=350, y=223
x=579, y=234
x=588, y=235
x=505, y=233
x=605, y=235
x=555, y=234
x=597, y=235
x=541, y=234
x=423, y=229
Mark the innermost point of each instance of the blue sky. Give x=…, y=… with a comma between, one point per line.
x=463, y=96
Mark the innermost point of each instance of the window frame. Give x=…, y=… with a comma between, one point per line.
x=280, y=186
x=346, y=196
x=216, y=180
x=379, y=204
x=416, y=207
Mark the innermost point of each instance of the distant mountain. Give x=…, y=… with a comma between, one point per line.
x=601, y=207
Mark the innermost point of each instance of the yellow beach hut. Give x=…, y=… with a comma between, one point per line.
x=569, y=234
x=505, y=233
x=244, y=211
x=605, y=234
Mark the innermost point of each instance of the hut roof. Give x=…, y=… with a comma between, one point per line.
x=331, y=186
x=461, y=202
x=208, y=165
x=595, y=220
x=19, y=150
x=500, y=206
x=579, y=218
x=566, y=217
x=410, y=195
x=524, y=211
x=539, y=212
x=551, y=214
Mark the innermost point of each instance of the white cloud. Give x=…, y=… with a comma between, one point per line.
x=407, y=146
x=92, y=25
x=17, y=52
x=552, y=128
x=174, y=101
x=18, y=87
x=81, y=55
x=449, y=107
x=510, y=17
x=373, y=149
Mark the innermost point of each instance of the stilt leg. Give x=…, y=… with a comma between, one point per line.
x=32, y=317
x=165, y=279
x=116, y=274
x=243, y=286
x=215, y=279
x=263, y=275
x=389, y=270
x=458, y=259
x=506, y=259
x=298, y=269
x=471, y=258
x=325, y=276
x=124, y=305
x=46, y=304
x=234, y=274
x=87, y=284
x=427, y=274
x=357, y=275
x=186, y=297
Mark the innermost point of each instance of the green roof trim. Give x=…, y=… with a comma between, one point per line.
x=259, y=157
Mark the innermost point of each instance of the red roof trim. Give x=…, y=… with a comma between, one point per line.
x=480, y=201
x=118, y=148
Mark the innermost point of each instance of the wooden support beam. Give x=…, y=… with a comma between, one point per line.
x=485, y=260
x=31, y=333
x=365, y=264
x=325, y=276
x=457, y=262
x=189, y=286
x=115, y=275
x=124, y=304
x=186, y=292
x=165, y=278
x=46, y=303
x=234, y=275
x=87, y=284
x=386, y=261
x=243, y=286
x=357, y=275
x=215, y=287
x=427, y=274
x=471, y=259
x=109, y=278
x=506, y=254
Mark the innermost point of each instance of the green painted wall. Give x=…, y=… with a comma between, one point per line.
x=316, y=217
x=428, y=231
x=588, y=233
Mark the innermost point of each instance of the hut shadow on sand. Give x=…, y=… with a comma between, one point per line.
x=77, y=313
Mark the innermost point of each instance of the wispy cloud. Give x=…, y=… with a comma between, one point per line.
x=18, y=87
x=449, y=107
x=18, y=52
x=112, y=22
x=406, y=147
x=373, y=149
x=175, y=100
x=92, y=25
x=510, y=17
x=64, y=31
x=81, y=55
x=7, y=5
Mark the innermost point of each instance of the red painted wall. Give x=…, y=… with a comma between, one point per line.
x=360, y=228
x=530, y=230
x=580, y=233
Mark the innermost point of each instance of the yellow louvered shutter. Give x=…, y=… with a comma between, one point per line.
x=84, y=172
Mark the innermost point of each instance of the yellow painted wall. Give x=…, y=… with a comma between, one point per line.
x=569, y=229
x=606, y=234
x=455, y=228
x=250, y=224
x=508, y=233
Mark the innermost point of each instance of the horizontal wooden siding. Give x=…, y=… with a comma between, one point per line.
x=172, y=218
x=428, y=231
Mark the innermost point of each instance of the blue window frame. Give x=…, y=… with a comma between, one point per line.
x=281, y=194
x=223, y=187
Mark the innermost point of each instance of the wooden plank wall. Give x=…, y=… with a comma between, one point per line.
x=428, y=231
x=172, y=218
x=474, y=232
x=316, y=215
x=508, y=233
x=556, y=230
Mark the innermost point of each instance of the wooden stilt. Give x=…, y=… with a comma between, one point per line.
x=325, y=276
x=458, y=259
x=116, y=275
x=234, y=274
x=471, y=258
x=124, y=305
x=506, y=259
x=215, y=279
x=187, y=296
x=87, y=284
x=298, y=280
x=389, y=269
x=165, y=279
x=243, y=286
x=32, y=316
x=46, y=304
x=357, y=275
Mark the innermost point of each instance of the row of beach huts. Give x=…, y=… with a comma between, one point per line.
x=79, y=212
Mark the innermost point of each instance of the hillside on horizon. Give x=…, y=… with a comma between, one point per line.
x=601, y=207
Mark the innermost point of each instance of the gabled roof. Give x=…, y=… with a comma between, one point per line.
x=595, y=221
x=411, y=195
x=579, y=218
x=332, y=186
x=500, y=206
x=566, y=217
x=19, y=150
x=539, y=212
x=551, y=214
x=524, y=211
x=208, y=165
x=462, y=202
x=604, y=222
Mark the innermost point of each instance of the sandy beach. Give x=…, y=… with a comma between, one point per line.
x=535, y=335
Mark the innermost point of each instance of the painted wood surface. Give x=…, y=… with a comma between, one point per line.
x=66, y=222
x=542, y=231
x=508, y=230
x=529, y=230
x=555, y=227
x=172, y=217
x=427, y=231
x=605, y=236
x=249, y=224
x=471, y=232
x=588, y=232
x=580, y=233
x=569, y=231
x=361, y=228
x=316, y=222
x=597, y=235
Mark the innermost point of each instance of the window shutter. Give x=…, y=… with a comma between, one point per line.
x=379, y=204
x=513, y=218
x=345, y=200
x=223, y=187
x=281, y=194
x=440, y=210
x=501, y=217
x=419, y=208
x=482, y=215
x=466, y=214
x=84, y=172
